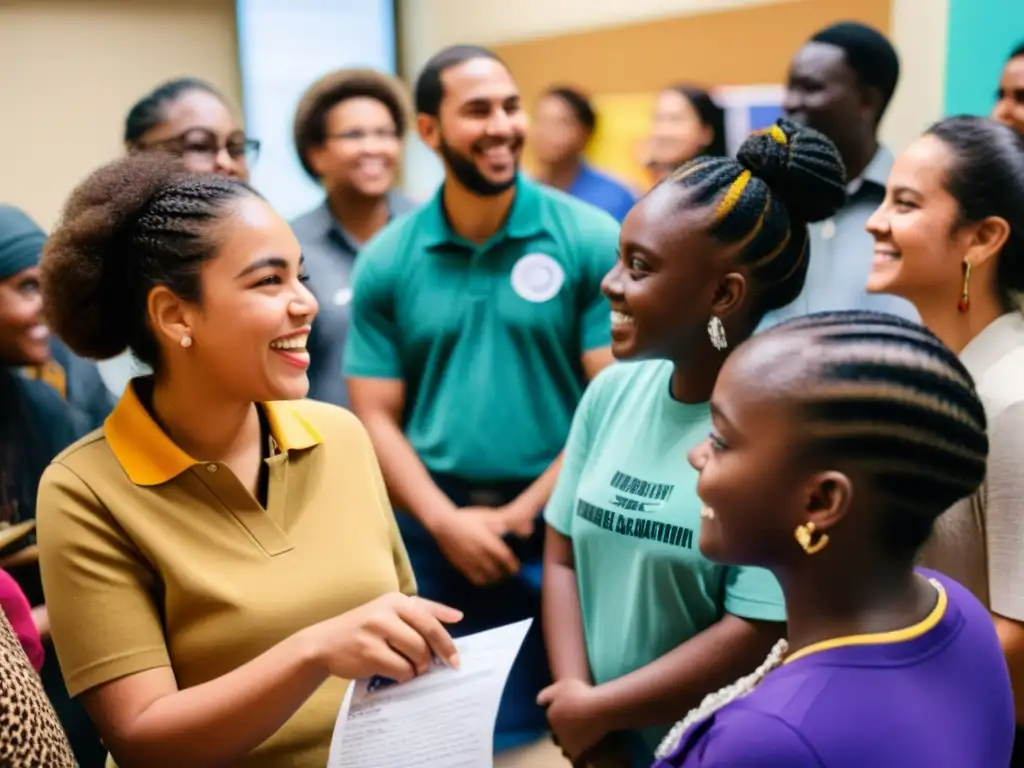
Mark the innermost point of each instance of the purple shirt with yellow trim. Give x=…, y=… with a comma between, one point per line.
x=936, y=694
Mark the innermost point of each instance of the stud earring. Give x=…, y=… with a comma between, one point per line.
x=716, y=332
x=804, y=533
x=186, y=341
x=965, y=299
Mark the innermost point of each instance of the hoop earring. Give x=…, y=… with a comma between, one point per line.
x=716, y=332
x=965, y=299
x=804, y=533
x=186, y=342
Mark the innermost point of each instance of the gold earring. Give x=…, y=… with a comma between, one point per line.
x=965, y=300
x=804, y=533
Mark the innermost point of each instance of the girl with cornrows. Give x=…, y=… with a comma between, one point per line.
x=838, y=440
x=639, y=625
x=949, y=237
x=221, y=557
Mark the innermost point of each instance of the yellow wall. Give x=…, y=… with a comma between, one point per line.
x=917, y=28
x=70, y=69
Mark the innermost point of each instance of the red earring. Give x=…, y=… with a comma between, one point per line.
x=965, y=299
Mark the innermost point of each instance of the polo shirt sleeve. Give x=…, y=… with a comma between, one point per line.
x=560, y=507
x=100, y=590
x=1004, y=512
x=371, y=346
x=598, y=246
x=753, y=593
x=750, y=739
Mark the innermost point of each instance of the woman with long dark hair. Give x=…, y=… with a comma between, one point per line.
x=687, y=123
x=949, y=237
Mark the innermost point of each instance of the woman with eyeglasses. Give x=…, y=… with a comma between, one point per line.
x=190, y=118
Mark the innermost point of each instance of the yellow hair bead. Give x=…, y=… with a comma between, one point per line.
x=777, y=134
x=732, y=195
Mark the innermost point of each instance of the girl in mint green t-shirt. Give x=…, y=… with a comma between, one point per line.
x=639, y=626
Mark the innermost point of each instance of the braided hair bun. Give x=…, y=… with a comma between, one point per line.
x=800, y=166
x=133, y=224
x=782, y=179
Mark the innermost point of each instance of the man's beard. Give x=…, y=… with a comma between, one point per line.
x=469, y=175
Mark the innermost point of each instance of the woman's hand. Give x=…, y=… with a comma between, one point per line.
x=574, y=716
x=394, y=636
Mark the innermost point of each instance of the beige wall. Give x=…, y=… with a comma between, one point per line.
x=70, y=69
x=918, y=31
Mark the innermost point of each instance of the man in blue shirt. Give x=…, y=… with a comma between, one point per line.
x=563, y=123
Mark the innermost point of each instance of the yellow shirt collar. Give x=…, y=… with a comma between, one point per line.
x=150, y=457
x=927, y=624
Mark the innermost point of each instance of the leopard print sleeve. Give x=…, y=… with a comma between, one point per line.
x=30, y=734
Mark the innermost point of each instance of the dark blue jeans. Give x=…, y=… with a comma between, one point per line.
x=520, y=720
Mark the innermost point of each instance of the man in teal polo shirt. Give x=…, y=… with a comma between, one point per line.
x=477, y=321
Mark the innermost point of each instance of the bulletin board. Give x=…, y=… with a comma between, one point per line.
x=744, y=51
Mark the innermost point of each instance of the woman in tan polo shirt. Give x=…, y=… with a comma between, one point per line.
x=950, y=238
x=221, y=558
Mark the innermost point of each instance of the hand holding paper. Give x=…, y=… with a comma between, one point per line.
x=442, y=719
x=394, y=635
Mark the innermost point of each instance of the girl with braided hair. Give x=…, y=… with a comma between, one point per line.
x=220, y=559
x=838, y=439
x=639, y=625
x=190, y=119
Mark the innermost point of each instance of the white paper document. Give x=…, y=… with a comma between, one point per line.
x=443, y=719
